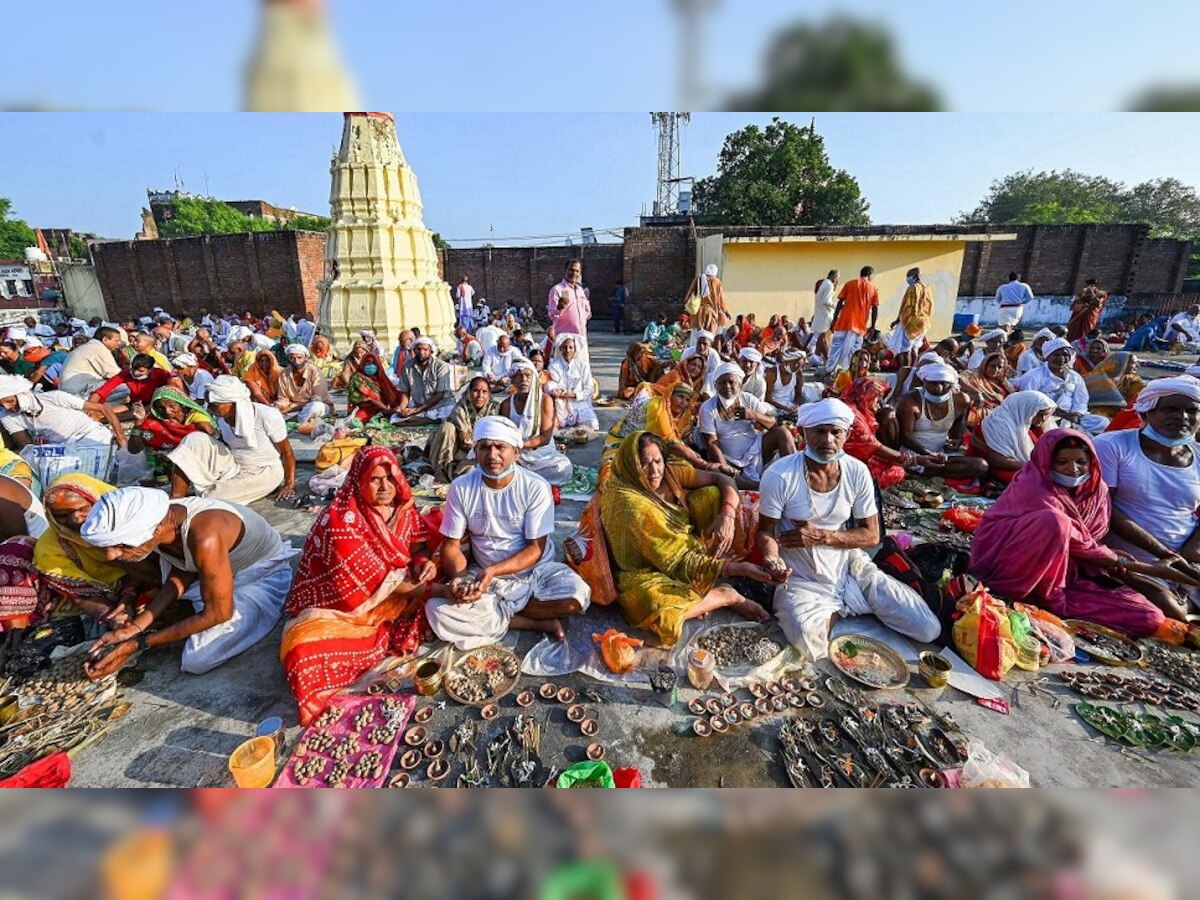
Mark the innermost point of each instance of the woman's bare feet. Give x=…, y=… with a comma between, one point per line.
x=750, y=610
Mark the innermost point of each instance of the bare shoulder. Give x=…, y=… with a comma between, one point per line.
x=215, y=531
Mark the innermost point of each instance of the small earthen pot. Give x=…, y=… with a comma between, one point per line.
x=400, y=780
x=696, y=706
x=565, y=695
x=438, y=769
x=490, y=712
x=576, y=712
x=774, y=688
x=796, y=700
x=815, y=700
x=434, y=749
x=713, y=705
x=410, y=759
x=718, y=725
x=595, y=752
x=415, y=735
x=762, y=706
x=732, y=716
x=746, y=709
x=589, y=727
x=758, y=690
x=727, y=700
x=701, y=727
x=525, y=698
x=423, y=715
x=779, y=703
x=547, y=691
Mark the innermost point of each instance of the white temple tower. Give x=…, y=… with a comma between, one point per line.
x=381, y=268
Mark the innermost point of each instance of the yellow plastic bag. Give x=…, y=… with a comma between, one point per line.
x=335, y=453
x=693, y=305
x=983, y=636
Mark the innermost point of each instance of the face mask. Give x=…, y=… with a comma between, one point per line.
x=911, y=279
x=370, y=369
x=1167, y=441
x=934, y=398
x=727, y=402
x=823, y=460
x=297, y=363
x=1069, y=481
x=141, y=377
x=502, y=475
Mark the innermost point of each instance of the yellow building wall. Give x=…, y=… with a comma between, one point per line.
x=779, y=276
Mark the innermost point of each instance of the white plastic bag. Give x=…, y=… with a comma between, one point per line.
x=984, y=769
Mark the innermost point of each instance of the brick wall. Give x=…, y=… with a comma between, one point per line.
x=519, y=274
x=659, y=264
x=258, y=271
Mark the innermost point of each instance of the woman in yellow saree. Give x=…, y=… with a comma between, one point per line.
x=1113, y=383
x=670, y=529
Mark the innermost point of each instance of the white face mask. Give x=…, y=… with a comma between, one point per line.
x=727, y=402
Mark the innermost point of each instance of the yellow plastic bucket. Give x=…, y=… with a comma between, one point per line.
x=253, y=763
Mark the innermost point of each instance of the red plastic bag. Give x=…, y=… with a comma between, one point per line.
x=983, y=636
x=627, y=777
x=53, y=771
x=963, y=518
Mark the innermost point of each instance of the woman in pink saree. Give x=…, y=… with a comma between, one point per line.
x=1040, y=543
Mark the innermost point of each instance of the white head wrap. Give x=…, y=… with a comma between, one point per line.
x=728, y=369
x=994, y=335
x=704, y=334
x=145, y=320
x=32, y=342
x=1006, y=430
x=78, y=323
x=829, y=411
x=1149, y=396
x=228, y=389
x=687, y=354
x=367, y=333
x=1054, y=346
x=751, y=354
x=1042, y=333
x=497, y=428
x=428, y=342
x=17, y=333
x=790, y=355
x=296, y=350
x=21, y=388
x=184, y=361
x=711, y=270
x=520, y=362
x=262, y=342
x=938, y=371
x=125, y=517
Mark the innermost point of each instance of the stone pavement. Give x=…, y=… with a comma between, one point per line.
x=182, y=728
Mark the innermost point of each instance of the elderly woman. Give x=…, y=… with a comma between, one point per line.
x=1095, y=351
x=668, y=565
x=22, y=521
x=862, y=439
x=77, y=577
x=670, y=416
x=1041, y=543
x=370, y=392
x=639, y=367
x=1153, y=473
x=449, y=446
x=817, y=518
x=263, y=378
x=162, y=426
x=571, y=386
x=1005, y=439
x=1056, y=379
x=325, y=359
x=987, y=386
x=360, y=590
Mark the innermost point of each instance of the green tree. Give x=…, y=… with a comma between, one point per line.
x=1170, y=207
x=1046, y=198
x=78, y=247
x=779, y=175
x=840, y=64
x=15, y=234
x=196, y=215
x=439, y=242
x=307, y=223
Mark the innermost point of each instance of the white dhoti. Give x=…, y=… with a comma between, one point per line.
x=805, y=603
x=750, y=464
x=822, y=318
x=844, y=345
x=471, y=625
x=312, y=409
x=1008, y=317
x=576, y=413
x=214, y=473
x=900, y=342
x=549, y=463
x=258, y=596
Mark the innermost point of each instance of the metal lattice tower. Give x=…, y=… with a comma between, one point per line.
x=667, y=124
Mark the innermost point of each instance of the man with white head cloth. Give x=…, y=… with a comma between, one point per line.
x=1031, y=358
x=740, y=430
x=54, y=417
x=531, y=409
x=992, y=342
x=571, y=385
x=931, y=419
x=702, y=343
x=1059, y=381
x=784, y=383
x=303, y=391
x=372, y=342
x=196, y=379
x=508, y=578
x=500, y=361
x=817, y=517
x=251, y=460
x=424, y=386
x=225, y=560
x=1153, y=475
x=751, y=361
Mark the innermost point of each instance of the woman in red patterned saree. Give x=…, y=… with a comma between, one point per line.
x=360, y=591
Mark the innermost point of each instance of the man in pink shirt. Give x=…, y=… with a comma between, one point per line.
x=569, y=307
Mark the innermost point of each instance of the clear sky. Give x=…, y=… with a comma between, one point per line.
x=618, y=55
x=532, y=174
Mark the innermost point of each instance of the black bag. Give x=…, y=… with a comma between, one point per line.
x=922, y=569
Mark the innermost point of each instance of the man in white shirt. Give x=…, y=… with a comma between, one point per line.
x=1031, y=357
x=196, y=379
x=993, y=342
x=463, y=295
x=251, y=460
x=702, y=343
x=826, y=303
x=488, y=335
x=1011, y=298
x=498, y=363
x=1183, y=330
x=729, y=426
x=54, y=417
x=1061, y=383
x=511, y=580
x=817, y=518
x=90, y=365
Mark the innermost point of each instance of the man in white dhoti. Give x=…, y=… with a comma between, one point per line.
x=499, y=362
x=817, y=516
x=571, y=385
x=740, y=430
x=251, y=460
x=303, y=391
x=225, y=560
x=822, y=320
x=1183, y=329
x=510, y=580
x=425, y=395
x=1011, y=298
x=532, y=410
x=1061, y=383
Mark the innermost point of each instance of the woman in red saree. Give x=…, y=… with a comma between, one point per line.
x=1040, y=543
x=360, y=591
x=862, y=441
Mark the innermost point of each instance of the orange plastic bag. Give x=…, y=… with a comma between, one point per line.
x=963, y=518
x=983, y=636
x=586, y=552
x=618, y=650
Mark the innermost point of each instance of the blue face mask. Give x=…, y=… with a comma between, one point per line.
x=823, y=460
x=1149, y=432
x=911, y=279
x=500, y=476
x=1069, y=481
x=370, y=369
x=934, y=398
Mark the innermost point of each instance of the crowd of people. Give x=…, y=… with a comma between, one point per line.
x=746, y=473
